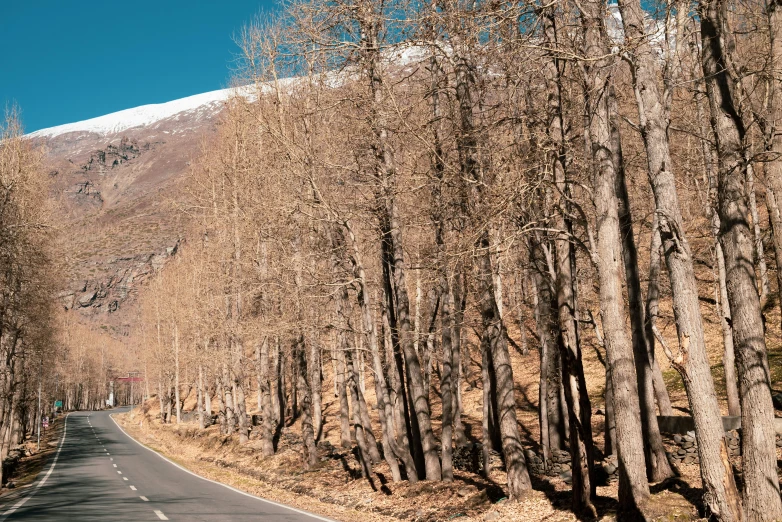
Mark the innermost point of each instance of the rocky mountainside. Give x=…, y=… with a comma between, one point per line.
x=115, y=187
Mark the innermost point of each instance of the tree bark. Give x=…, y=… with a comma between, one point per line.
x=176, y=375
x=543, y=386
x=267, y=420
x=315, y=388
x=495, y=339
x=728, y=354
x=773, y=192
x=576, y=397
x=446, y=380
x=344, y=408
x=391, y=449
x=307, y=430
x=385, y=172
x=761, y=485
x=228, y=402
x=240, y=402
x=654, y=119
x=363, y=448
x=757, y=235
x=199, y=396
x=633, y=484
x=460, y=302
x=652, y=307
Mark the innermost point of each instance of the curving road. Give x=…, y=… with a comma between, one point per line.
x=100, y=473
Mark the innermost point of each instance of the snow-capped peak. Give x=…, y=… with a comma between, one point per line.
x=141, y=116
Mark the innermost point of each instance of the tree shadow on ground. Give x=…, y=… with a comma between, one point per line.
x=563, y=499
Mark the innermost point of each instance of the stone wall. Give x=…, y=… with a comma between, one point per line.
x=686, y=447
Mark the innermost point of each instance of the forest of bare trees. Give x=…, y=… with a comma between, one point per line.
x=28, y=324
x=46, y=356
x=405, y=201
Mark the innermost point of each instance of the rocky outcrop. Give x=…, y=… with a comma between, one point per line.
x=108, y=294
x=114, y=155
x=115, y=194
x=87, y=299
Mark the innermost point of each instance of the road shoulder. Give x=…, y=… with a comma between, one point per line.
x=235, y=479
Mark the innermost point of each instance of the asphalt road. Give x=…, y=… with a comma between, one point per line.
x=100, y=473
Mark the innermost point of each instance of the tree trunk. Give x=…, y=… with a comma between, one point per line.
x=159, y=396
x=294, y=401
x=258, y=371
x=397, y=396
x=228, y=402
x=279, y=363
x=344, y=409
x=199, y=397
x=760, y=256
x=633, y=485
x=728, y=354
x=391, y=228
x=391, y=449
x=446, y=379
x=460, y=302
x=576, y=397
x=315, y=388
x=487, y=414
x=240, y=402
x=543, y=388
x=773, y=192
x=363, y=448
x=495, y=339
x=307, y=430
x=267, y=421
x=657, y=466
x=652, y=307
x=446, y=318
x=761, y=485
x=654, y=123
x=176, y=375
x=374, y=454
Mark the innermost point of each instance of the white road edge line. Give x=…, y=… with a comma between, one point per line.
x=316, y=517
x=160, y=515
x=41, y=482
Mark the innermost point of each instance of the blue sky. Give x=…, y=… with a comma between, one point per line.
x=68, y=60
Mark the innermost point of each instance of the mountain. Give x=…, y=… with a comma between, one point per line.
x=115, y=185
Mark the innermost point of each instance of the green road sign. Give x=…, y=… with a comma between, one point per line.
x=58, y=404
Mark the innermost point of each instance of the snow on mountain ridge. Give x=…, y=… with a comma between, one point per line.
x=140, y=116
x=145, y=115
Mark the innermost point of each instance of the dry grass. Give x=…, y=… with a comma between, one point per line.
x=335, y=488
x=29, y=467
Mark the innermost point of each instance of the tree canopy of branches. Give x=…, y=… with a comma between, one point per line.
x=399, y=194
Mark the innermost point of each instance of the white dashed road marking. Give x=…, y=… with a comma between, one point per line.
x=160, y=515
x=145, y=499
x=133, y=488
x=239, y=491
x=124, y=478
x=119, y=472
